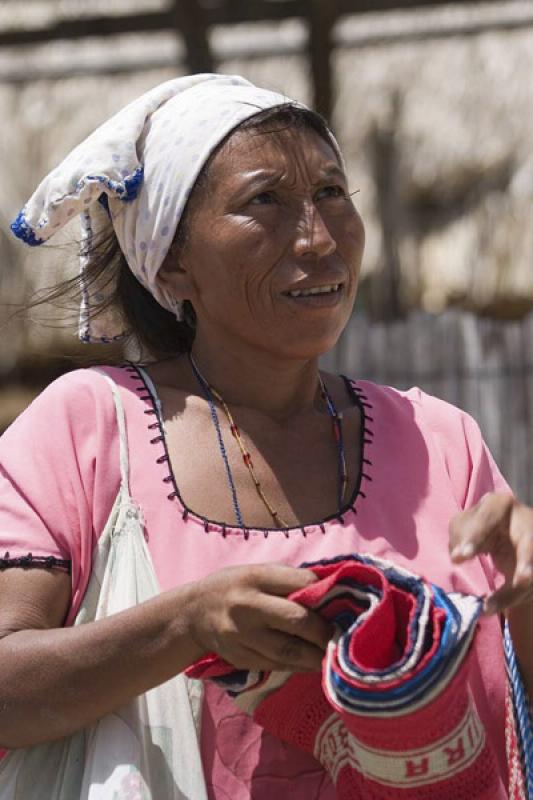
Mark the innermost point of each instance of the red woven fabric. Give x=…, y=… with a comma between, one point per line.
x=438, y=753
x=401, y=736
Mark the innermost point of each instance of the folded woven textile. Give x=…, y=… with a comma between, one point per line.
x=391, y=715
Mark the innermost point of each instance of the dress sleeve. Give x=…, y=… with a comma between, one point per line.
x=59, y=476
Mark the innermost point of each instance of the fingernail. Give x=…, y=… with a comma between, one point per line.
x=465, y=550
x=489, y=606
x=525, y=572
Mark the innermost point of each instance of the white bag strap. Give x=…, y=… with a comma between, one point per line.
x=121, y=423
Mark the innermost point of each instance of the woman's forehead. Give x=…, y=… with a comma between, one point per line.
x=256, y=150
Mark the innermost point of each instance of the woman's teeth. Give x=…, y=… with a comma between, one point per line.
x=333, y=287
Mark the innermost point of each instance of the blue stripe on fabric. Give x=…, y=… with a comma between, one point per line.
x=412, y=689
x=452, y=645
x=406, y=583
x=522, y=712
x=412, y=636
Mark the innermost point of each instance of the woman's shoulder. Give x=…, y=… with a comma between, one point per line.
x=74, y=404
x=412, y=401
x=80, y=387
x=86, y=382
x=416, y=410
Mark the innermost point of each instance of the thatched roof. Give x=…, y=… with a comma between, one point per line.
x=437, y=133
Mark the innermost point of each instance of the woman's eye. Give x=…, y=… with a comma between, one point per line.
x=264, y=198
x=331, y=191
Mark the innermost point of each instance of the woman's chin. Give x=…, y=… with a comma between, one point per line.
x=306, y=347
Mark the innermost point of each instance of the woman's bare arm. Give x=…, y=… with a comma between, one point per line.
x=57, y=680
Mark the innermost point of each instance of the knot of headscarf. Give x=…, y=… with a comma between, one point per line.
x=137, y=170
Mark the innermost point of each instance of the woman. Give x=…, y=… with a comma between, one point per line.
x=238, y=257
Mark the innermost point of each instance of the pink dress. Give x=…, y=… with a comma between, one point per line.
x=422, y=460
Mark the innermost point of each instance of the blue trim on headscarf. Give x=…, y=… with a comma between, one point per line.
x=132, y=185
x=24, y=231
x=126, y=191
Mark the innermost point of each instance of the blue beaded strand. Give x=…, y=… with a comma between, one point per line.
x=336, y=419
x=214, y=417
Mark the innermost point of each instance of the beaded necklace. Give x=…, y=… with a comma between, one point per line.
x=211, y=395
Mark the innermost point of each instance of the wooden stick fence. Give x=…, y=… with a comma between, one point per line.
x=483, y=366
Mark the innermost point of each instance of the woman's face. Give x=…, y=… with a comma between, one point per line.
x=274, y=245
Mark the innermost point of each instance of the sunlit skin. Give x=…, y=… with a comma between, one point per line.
x=275, y=216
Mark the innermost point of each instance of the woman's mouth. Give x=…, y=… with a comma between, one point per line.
x=315, y=290
x=324, y=296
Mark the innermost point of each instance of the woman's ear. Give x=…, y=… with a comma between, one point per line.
x=174, y=276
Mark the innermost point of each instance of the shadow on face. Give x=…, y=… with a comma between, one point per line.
x=273, y=244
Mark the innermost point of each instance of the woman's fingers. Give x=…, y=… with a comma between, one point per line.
x=506, y=597
x=503, y=528
x=521, y=534
x=518, y=587
x=279, y=579
x=477, y=530
x=286, y=652
x=296, y=621
x=242, y=612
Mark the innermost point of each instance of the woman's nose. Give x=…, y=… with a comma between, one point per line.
x=313, y=236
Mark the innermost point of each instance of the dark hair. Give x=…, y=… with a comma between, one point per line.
x=154, y=329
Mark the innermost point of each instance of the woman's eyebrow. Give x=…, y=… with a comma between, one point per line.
x=267, y=178
x=261, y=176
x=333, y=171
x=256, y=179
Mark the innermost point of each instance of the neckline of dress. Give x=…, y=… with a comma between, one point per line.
x=149, y=395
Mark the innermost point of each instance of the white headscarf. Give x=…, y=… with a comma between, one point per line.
x=138, y=169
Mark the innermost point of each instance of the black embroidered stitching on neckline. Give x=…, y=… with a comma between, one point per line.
x=29, y=560
x=160, y=438
x=366, y=438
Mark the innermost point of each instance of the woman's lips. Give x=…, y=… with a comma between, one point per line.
x=323, y=299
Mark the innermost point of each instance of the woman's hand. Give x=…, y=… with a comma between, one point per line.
x=503, y=528
x=242, y=614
